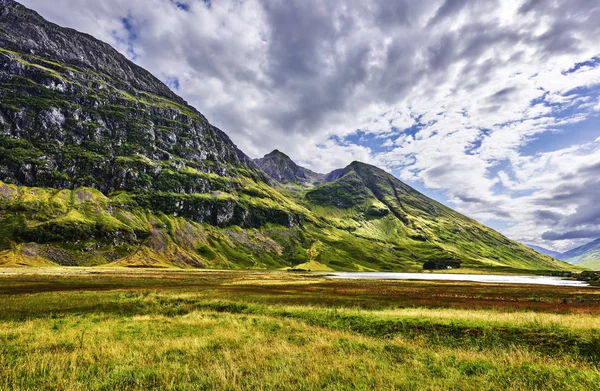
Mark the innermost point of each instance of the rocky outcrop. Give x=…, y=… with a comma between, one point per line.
x=25, y=31
x=74, y=112
x=281, y=168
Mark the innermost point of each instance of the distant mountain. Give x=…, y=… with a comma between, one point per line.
x=101, y=163
x=553, y=254
x=587, y=256
x=280, y=167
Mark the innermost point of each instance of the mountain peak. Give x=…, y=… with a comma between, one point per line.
x=366, y=166
x=277, y=154
x=361, y=183
x=282, y=168
x=25, y=31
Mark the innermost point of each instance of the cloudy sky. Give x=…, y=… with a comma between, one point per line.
x=489, y=106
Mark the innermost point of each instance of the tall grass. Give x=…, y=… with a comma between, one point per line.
x=207, y=350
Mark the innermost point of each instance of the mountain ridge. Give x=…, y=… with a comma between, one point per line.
x=45, y=39
x=85, y=73
x=587, y=255
x=551, y=253
x=432, y=224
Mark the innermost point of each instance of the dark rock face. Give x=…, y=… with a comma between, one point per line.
x=74, y=112
x=280, y=167
x=25, y=31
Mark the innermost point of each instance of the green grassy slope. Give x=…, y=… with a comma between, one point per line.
x=41, y=226
x=589, y=261
x=373, y=204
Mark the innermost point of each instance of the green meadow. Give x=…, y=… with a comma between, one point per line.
x=108, y=329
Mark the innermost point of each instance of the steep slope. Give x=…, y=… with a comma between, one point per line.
x=587, y=256
x=101, y=163
x=374, y=204
x=553, y=254
x=75, y=114
x=280, y=167
x=73, y=111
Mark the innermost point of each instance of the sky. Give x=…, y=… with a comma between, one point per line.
x=489, y=106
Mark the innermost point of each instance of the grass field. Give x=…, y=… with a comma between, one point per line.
x=107, y=329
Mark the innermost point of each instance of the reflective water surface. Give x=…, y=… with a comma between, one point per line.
x=488, y=278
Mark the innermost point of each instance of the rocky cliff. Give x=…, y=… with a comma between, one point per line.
x=74, y=112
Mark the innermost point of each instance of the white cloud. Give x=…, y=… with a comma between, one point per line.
x=388, y=143
x=332, y=155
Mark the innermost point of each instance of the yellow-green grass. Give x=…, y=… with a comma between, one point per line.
x=106, y=329
x=313, y=266
x=204, y=350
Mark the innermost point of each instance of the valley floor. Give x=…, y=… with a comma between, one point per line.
x=107, y=329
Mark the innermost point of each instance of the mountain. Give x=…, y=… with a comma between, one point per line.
x=100, y=163
x=374, y=204
x=95, y=152
x=587, y=256
x=76, y=112
x=553, y=254
x=280, y=167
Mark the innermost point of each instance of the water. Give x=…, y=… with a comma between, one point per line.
x=487, y=278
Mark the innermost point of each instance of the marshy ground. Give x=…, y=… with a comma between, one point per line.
x=107, y=329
